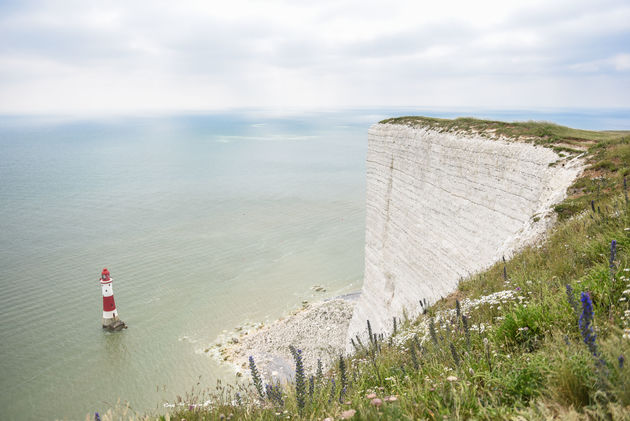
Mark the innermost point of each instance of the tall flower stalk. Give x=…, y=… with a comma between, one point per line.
x=343, y=376
x=300, y=379
x=611, y=262
x=414, y=356
x=586, y=323
x=256, y=378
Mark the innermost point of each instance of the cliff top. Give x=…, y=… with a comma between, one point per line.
x=543, y=133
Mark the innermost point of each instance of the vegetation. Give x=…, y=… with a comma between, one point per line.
x=542, y=335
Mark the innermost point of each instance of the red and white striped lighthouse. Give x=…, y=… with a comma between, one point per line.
x=110, y=314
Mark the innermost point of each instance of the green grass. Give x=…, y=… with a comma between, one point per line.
x=535, y=131
x=522, y=356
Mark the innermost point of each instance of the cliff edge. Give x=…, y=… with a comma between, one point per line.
x=443, y=204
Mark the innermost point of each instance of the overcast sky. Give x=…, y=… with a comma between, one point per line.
x=138, y=56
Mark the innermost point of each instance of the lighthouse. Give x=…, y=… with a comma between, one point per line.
x=111, y=321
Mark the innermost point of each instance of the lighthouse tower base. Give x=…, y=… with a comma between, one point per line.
x=113, y=324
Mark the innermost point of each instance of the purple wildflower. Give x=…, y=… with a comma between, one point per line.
x=300, y=379
x=256, y=377
x=274, y=394
x=97, y=417
x=621, y=360
x=333, y=387
x=586, y=323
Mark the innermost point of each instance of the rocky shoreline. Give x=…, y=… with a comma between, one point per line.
x=318, y=329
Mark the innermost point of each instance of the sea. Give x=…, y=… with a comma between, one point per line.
x=206, y=221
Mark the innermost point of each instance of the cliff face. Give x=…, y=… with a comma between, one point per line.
x=441, y=206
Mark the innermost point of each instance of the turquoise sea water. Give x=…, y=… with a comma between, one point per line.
x=205, y=222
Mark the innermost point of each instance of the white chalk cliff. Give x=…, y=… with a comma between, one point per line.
x=444, y=205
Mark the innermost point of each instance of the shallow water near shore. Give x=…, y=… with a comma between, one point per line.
x=205, y=221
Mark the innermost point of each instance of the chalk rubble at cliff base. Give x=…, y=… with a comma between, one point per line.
x=319, y=331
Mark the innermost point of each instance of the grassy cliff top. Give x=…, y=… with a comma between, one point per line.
x=538, y=132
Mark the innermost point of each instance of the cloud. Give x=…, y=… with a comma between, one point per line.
x=121, y=56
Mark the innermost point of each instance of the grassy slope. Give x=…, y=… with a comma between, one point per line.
x=519, y=354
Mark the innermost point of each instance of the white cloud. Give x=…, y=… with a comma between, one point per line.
x=133, y=56
x=621, y=62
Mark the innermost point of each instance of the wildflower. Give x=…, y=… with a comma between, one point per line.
x=613, y=252
x=414, y=357
x=342, y=372
x=392, y=398
x=451, y=379
x=432, y=331
x=274, y=394
x=332, y=390
x=454, y=354
x=256, y=377
x=585, y=323
x=376, y=402
x=621, y=360
x=347, y=414
x=342, y=393
x=97, y=417
x=466, y=330
x=371, y=396
x=300, y=384
x=458, y=309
